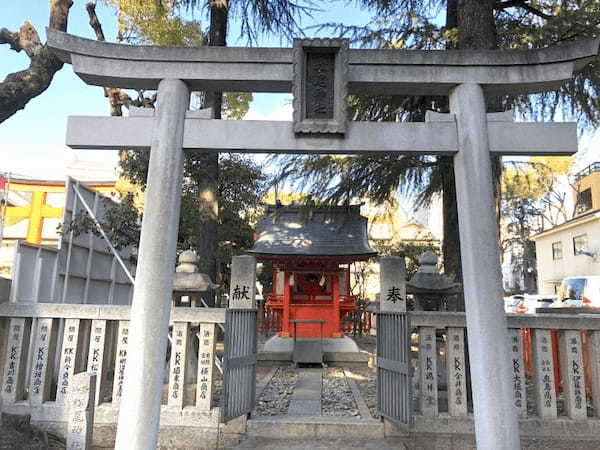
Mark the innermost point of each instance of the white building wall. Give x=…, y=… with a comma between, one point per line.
x=551, y=271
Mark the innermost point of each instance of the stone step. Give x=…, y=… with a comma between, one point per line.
x=322, y=427
x=319, y=444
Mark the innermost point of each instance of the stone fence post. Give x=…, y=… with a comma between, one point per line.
x=80, y=404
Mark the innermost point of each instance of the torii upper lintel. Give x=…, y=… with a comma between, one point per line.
x=405, y=72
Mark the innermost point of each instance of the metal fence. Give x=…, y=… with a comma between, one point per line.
x=394, y=398
x=239, y=363
x=84, y=269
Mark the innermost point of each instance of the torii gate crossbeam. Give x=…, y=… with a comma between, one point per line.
x=466, y=77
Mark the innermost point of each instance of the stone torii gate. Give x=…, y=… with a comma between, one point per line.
x=321, y=73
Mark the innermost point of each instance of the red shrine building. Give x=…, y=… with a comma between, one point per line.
x=311, y=252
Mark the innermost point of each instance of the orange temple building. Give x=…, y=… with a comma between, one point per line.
x=311, y=252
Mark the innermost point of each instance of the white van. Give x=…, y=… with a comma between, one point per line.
x=580, y=291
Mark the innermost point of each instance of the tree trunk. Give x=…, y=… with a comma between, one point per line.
x=208, y=185
x=476, y=31
x=451, y=242
x=476, y=26
x=18, y=88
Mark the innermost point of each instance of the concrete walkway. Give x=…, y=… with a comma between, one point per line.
x=306, y=400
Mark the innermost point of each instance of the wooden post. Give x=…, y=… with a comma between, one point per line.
x=287, y=296
x=206, y=366
x=428, y=398
x=595, y=366
x=455, y=357
x=335, y=291
x=545, y=393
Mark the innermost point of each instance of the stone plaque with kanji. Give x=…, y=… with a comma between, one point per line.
x=319, y=86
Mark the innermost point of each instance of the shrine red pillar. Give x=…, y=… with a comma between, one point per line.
x=287, y=294
x=335, y=291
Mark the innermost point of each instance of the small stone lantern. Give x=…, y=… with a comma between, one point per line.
x=190, y=283
x=431, y=289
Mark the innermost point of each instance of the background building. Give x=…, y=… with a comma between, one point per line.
x=572, y=248
x=32, y=209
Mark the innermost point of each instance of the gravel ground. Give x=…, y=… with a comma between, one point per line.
x=336, y=396
x=276, y=397
x=365, y=380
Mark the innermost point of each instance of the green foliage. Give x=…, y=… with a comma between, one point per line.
x=157, y=22
x=241, y=186
x=530, y=201
x=122, y=223
x=257, y=18
x=410, y=251
x=236, y=104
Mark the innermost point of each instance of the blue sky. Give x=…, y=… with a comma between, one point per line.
x=32, y=141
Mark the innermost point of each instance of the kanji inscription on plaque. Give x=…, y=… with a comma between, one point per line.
x=320, y=86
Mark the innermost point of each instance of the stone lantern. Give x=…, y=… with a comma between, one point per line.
x=189, y=282
x=431, y=289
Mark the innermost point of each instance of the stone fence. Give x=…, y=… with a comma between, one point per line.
x=555, y=367
x=43, y=345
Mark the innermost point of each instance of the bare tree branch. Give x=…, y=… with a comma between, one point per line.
x=523, y=5
x=117, y=98
x=12, y=38
x=19, y=87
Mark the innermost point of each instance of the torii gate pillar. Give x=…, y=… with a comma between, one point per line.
x=496, y=425
x=139, y=414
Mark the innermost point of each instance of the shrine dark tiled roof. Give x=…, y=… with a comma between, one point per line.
x=298, y=231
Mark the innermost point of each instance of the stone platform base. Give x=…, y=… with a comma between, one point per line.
x=332, y=358
x=286, y=345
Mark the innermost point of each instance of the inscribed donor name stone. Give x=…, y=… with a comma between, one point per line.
x=81, y=411
x=545, y=396
x=572, y=372
x=122, y=340
x=206, y=357
x=96, y=353
x=178, y=369
x=14, y=365
x=41, y=365
x=455, y=361
x=428, y=371
x=518, y=370
x=68, y=358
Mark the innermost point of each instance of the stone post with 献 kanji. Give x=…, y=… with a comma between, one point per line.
x=242, y=286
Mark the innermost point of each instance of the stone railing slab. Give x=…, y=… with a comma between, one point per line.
x=546, y=321
x=104, y=312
